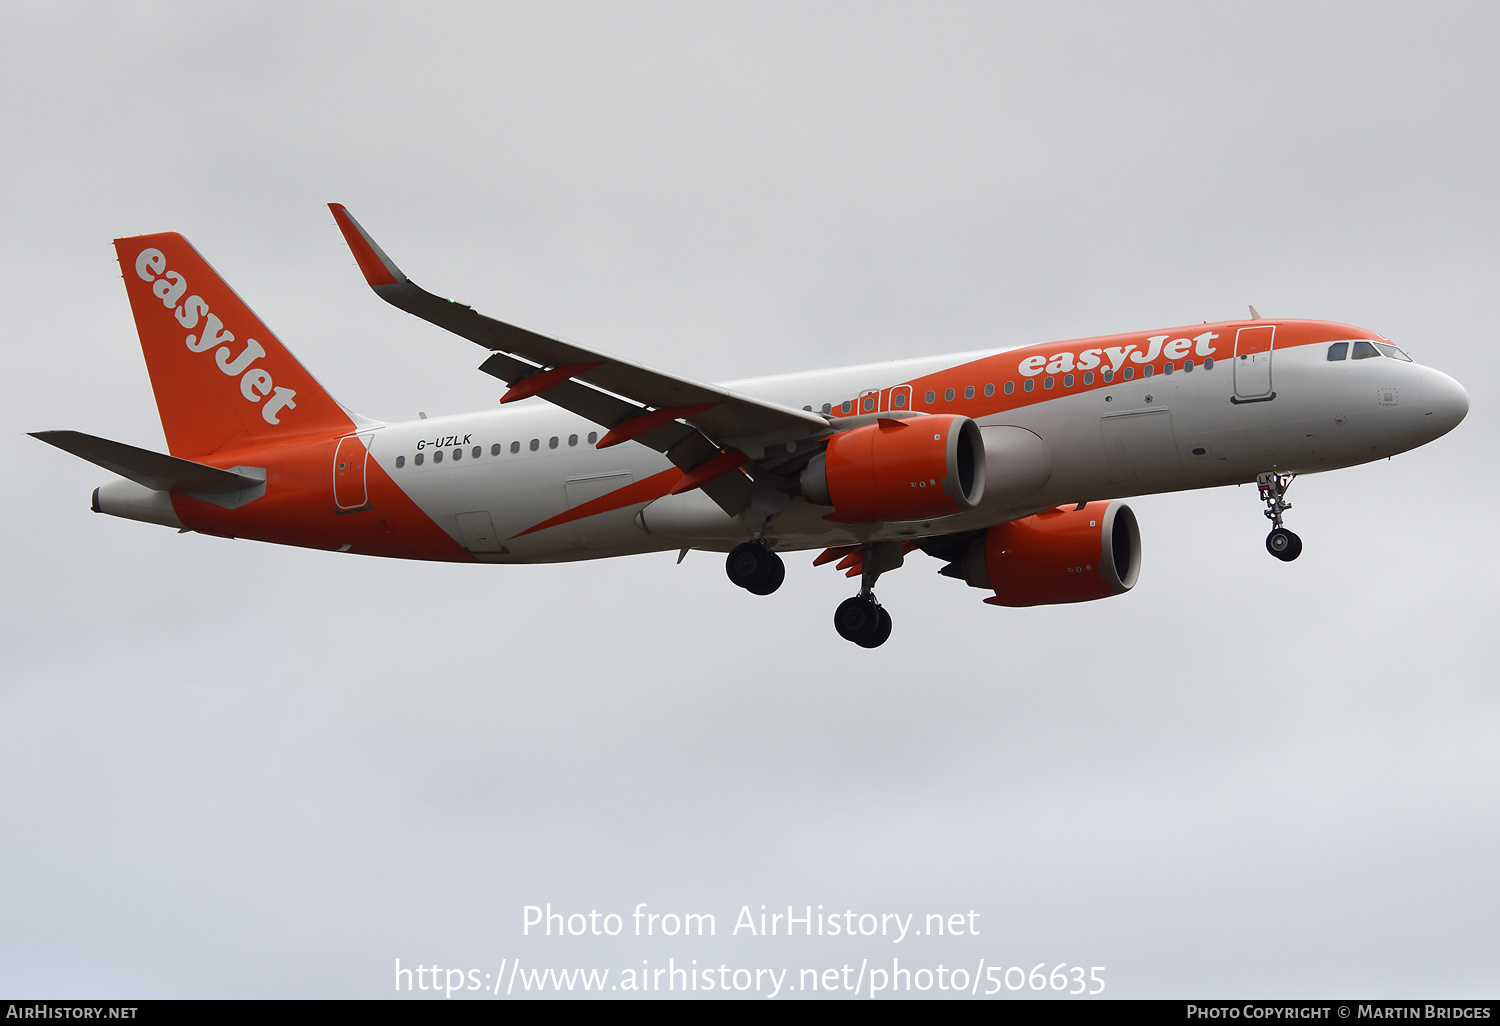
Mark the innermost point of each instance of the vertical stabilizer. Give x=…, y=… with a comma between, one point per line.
x=221, y=378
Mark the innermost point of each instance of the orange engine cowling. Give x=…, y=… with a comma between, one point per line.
x=1062, y=555
x=916, y=468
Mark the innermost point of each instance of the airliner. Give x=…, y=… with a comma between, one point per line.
x=1007, y=465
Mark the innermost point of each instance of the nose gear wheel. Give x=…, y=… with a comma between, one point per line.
x=1284, y=544
x=1281, y=543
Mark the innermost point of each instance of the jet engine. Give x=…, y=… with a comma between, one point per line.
x=1066, y=554
x=915, y=468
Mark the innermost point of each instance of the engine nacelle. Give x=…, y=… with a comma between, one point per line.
x=917, y=468
x=1062, y=555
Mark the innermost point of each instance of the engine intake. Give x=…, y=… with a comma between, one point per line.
x=1062, y=555
x=917, y=468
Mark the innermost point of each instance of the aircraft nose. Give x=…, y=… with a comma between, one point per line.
x=1444, y=402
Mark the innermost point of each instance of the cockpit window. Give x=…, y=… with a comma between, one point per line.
x=1338, y=351
x=1392, y=351
x=1365, y=350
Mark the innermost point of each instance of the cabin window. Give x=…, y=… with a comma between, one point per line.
x=969, y=392
x=572, y=440
x=1168, y=368
x=1047, y=382
x=948, y=395
x=989, y=389
x=478, y=451
x=1010, y=386
x=930, y=398
x=899, y=402
x=495, y=449
x=552, y=442
x=458, y=454
x=536, y=443
x=1030, y=384
x=1109, y=376
x=828, y=408
x=400, y=462
x=1208, y=363
x=1148, y=371
x=846, y=406
x=593, y=437
x=1067, y=381
x=1129, y=373
x=1338, y=351
x=869, y=403
x=1088, y=377
x=437, y=457
x=417, y=459
x=1187, y=365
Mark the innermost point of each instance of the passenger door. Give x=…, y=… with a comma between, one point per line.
x=349, y=491
x=1252, y=362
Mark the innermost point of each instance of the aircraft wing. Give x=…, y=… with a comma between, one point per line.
x=636, y=402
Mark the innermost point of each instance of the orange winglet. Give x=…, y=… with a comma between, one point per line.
x=539, y=382
x=829, y=555
x=706, y=472
x=639, y=425
x=377, y=268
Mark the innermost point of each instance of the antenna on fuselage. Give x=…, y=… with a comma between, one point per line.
x=1254, y=314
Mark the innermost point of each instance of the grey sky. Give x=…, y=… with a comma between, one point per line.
x=232, y=769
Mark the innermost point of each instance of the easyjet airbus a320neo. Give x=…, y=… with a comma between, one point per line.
x=1008, y=465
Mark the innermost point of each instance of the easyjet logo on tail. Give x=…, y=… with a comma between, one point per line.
x=255, y=382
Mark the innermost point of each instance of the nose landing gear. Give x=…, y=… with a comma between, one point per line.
x=1281, y=543
x=754, y=567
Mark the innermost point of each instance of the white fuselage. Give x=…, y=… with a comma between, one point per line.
x=1163, y=433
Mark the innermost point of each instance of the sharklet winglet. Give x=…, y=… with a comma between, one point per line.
x=377, y=268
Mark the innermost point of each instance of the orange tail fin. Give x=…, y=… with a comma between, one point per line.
x=221, y=378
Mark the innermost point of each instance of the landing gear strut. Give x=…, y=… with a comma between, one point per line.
x=755, y=568
x=1281, y=543
x=862, y=619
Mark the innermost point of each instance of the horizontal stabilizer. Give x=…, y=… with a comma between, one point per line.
x=151, y=469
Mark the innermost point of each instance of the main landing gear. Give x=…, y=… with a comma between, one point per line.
x=862, y=619
x=1281, y=543
x=754, y=567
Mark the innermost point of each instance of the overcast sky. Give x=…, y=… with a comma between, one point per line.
x=232, y=769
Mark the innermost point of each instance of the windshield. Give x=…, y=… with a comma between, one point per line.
x=1392, y=351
